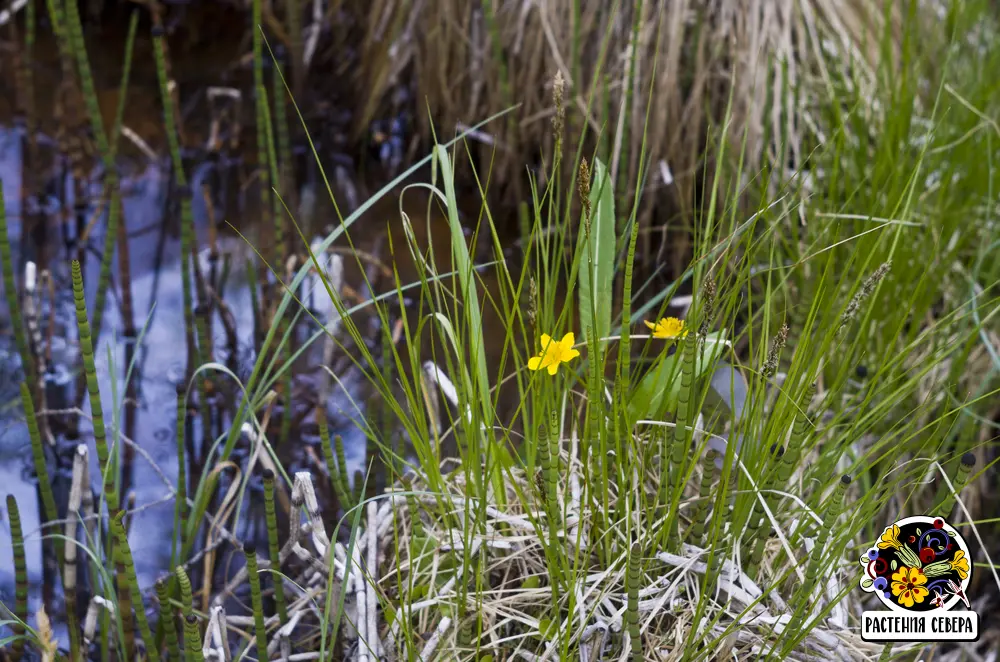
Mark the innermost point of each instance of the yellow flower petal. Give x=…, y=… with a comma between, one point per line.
x=546, y=340
x=553, y=367
x=568, y=340
x=649, y=324
x=534, y=363
x=570, y=354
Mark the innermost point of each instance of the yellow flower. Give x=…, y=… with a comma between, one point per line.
x=960, y=564
x=667, y=327
x=908, y=586
x=890, y=538
x=553, y=353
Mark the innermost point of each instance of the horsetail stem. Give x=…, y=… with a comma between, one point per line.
x=345, y=483
x=168, y=620
x=681, y=438
x=800, y=429
x=38, y=455
x=124, y=562
x=332, y=467
x=550, y=497
x=272, y=542
x=834, y=507
x=632, y=607
x=192, y=639
x=187, y=599
x=13, y=305
x=958, y=481
x=754, y=534
x=258, y=607
x=122, y=581
x=20, y=576
x=181, y=505
x=187, y=218
x=90, y=370
x=700, y=516
x=74, y=30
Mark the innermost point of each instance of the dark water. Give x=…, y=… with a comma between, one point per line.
x=160, y=363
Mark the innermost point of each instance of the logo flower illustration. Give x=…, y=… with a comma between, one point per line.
x=908, y=586
x=916, y=565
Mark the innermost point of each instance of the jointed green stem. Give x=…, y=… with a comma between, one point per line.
x=273, y=548
x=96, y=411
x=126, y=574
x=20, y=576
x=258, y=605
x=168, y=619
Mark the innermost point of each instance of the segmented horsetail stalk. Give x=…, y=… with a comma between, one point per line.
x=958, y=481
x=632, y=579
x=127, y=577
x=187, y=218
x=13, y=305
x=96, y=411
x=886, y=653
x=700, y=516
x=835, y=502
x=74, y=30
x=181, y=505
x=813, y=569
x=41, y=466
x=192, y=639
x=337, y=470
x=758, y=518
x=20, y=576
x=168, y=619
x=258, y=606
x=800, y=428
x=550, y=496
x=681, y=436
x=273, y=550
x=122, y=582
x=187, y=599
x=345, y=483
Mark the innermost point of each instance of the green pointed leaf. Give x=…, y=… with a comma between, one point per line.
x=595, y=253
x=660, y=387
x=868, y=583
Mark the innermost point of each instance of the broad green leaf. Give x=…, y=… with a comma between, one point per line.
x=659, y=389
x=595, y=253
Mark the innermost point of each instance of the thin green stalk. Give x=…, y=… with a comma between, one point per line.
x=550, y=477
x=675, y=472
x=168, y=619
x=273, y=548
x=187, y=217
x=126, y=574
x=13, y=303
x=700, y=516
x=181, y=504
x=331, y=467
x=258, y=604
x=958, y=481
x=187, y=598
x=192, y=639
x=632, y=579
x=96, y=411
x=20, y=576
